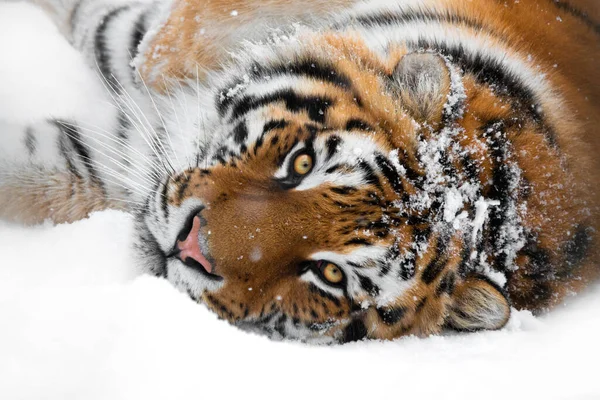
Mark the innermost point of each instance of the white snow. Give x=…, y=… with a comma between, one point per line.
x=78, y=322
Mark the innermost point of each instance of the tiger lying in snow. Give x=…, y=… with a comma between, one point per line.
x=354, y=170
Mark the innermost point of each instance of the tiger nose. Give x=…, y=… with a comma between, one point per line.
x=188, y=248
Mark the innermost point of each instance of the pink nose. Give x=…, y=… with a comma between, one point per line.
x=189, y=249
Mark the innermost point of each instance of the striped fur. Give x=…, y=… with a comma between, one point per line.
x=453, y=144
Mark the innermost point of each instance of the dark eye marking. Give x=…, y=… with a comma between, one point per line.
x=390, y=316
x=293, y=178
x=358, y=124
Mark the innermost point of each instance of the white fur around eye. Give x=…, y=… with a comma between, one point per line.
x=282, y=172
x=310, y=276
x=352, y=149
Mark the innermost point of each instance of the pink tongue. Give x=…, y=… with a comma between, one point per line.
x=189, y=248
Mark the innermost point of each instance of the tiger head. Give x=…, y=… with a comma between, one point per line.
x=313, y=213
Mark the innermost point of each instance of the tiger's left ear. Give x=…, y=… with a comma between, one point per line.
x=478, y=304
x=422, y=81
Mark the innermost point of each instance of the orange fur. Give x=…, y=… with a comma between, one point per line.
x=250, y=215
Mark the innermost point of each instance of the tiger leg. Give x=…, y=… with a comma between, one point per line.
x=199, y=35
x=108, y=33
x=63, y=171
x=47, y=173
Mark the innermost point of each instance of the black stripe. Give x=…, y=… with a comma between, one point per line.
x=274, y=124
x=369, y=174
x=280, y=325
x=149, y=247
x=358, y=124
x=332, y=144
x=446, y=284
x=486, y=70
x=123, y=128
x=74, y=136
x=420, y=305
x=400, y=18
x=101, y=48
x=368, y=286
x=422, y=234
x=164, y=203
x=438, y=262
x=500, y=189
x=319, y=292
x=358, y=241
x=491, y=72
x=577, y=13
x=65, y=152
x=227, y=95
x=30, y=141
x=311, y=68
x=391, y=316
x=334, y=168
x=75, y=14
x=578, y=246
x=240, y=133
x=218, y=306
x=465, y=260
x=471, y=168
x=389, y=172
x=315, y=106
x=344, y=190
x=139, y=30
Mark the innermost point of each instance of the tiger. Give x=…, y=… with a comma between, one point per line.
x=334, y=171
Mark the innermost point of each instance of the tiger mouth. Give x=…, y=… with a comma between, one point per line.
x=189, y=251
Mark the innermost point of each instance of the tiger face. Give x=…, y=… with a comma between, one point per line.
x=309, y=216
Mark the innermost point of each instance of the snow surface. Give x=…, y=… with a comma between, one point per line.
x=78, y=322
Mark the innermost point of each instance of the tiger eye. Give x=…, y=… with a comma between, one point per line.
x=303, y=164
x=332, y=273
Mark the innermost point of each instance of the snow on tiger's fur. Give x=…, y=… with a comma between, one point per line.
x=393, y=169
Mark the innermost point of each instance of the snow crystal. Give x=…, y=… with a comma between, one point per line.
x=481, y=213
x=452, y=204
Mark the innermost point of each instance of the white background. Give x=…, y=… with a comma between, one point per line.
x=76, y=322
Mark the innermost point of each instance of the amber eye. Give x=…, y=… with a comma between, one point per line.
x=303, y=164
x=332, y=273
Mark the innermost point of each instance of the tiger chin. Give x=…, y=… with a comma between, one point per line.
x=398, y=169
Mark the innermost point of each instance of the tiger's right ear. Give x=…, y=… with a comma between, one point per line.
x=422, y=81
